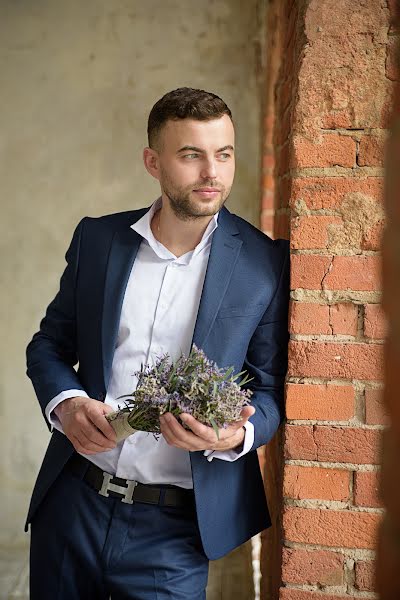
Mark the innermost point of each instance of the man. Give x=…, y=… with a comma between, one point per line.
x=141, y=519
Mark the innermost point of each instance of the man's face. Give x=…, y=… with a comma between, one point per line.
x=196, y=165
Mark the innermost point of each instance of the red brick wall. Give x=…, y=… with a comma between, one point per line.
x=331, y=112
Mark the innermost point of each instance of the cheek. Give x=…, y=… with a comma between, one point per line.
x=228, y=175
x=183, y=175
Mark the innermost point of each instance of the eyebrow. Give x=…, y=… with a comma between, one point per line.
x=195, y=149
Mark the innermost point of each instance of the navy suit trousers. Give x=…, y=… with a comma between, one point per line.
x=88, y=547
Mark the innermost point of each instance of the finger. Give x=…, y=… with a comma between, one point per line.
x=168, y=432
x=177, y=431
x=169, y=437
x=93, y=435
x=99, y=420
x=203, y=431
x=83, y=428
x=176, y=435
x=85, y=446
x=247, y=412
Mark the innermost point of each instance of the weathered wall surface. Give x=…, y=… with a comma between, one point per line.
x=77, y=81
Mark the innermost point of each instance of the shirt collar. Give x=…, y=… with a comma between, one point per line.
x=142, y=227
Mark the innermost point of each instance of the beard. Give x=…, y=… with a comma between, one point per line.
x=183, y=203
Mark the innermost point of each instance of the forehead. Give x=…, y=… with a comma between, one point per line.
x=207, y=135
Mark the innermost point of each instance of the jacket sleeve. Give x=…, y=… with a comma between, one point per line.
x=267, y=359
x=52, y=352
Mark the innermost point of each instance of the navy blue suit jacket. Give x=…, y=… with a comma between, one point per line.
x=241, y=322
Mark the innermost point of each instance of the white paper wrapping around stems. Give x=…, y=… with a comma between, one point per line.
x=119, y=422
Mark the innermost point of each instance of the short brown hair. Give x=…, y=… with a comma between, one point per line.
x=184, y=103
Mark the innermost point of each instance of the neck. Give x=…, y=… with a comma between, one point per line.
x=177, y=235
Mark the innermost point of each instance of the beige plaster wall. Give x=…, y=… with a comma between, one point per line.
x=77, y=80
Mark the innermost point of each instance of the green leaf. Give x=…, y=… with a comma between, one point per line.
x=214, y=426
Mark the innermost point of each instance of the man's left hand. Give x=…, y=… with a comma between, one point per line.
x=203, y=437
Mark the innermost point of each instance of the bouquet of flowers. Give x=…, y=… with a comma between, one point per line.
x=193, y=384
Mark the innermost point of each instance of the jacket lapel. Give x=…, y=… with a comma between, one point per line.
x=124, y=247
x=225, y=248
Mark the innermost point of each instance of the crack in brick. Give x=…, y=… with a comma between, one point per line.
x=329, y=269
x=330, y=318
x=314, y=442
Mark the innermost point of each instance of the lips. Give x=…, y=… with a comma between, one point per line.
x=207, y=189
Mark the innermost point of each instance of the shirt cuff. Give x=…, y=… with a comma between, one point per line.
x=49, y=412
x=232, y=455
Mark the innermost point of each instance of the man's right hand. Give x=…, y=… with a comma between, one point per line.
x=85, y=425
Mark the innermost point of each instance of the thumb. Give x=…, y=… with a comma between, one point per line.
x=247, y=412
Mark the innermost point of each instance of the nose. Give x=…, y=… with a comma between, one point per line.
x=209, y=170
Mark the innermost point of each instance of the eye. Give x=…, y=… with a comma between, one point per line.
x=224, y=155
x=191, y=156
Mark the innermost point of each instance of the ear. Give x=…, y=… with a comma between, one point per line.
x=151, y=162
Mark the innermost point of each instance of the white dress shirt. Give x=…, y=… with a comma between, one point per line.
x=158, y=316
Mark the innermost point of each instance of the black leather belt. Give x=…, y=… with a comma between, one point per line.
x=127, y=490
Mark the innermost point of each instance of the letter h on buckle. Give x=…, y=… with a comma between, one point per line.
x=126, y=492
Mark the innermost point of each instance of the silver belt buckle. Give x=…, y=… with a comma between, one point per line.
x=126, y=492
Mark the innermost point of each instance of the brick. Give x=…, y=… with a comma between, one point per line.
x=308, y=271
x=333, y=150
x=316, y=483
x=299, y=442
x=308, y=318
x=364, y=575
x=312, y=232
x=358, y=273
x=371, y=151
x=312, y=567
x=348, y=444
x=329, y=192
x=296, y=594
x=366, y=489
x=332, y=444
x=338, y=529
x=319, y=402
x=372, y=237
x=344, y=318
x=333, y=360
x=375, y=409
x=375, y=324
